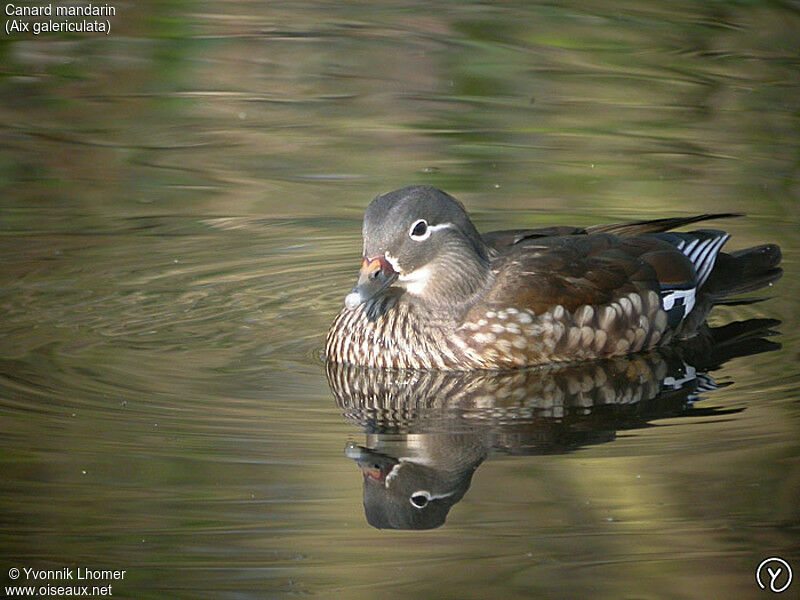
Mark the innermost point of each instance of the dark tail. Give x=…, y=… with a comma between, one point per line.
x=744, y=271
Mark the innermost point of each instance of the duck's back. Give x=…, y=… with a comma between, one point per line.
x=575, y=297
x=575, y=270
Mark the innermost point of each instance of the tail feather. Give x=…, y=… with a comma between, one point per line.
x=744, y=271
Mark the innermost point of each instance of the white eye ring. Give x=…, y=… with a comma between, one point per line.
x=426, y=230
x=420, y=503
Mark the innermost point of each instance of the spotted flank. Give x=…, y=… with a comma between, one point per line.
x=499, y=338
x=513, y=337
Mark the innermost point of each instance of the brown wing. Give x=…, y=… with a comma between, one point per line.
x=585, y=269
x=503, y=240
x=655, y=225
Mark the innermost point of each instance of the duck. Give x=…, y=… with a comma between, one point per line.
x=435, y=294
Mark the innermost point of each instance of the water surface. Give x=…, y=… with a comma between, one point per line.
x=180, y=221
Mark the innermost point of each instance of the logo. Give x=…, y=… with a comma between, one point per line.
x=774, y=574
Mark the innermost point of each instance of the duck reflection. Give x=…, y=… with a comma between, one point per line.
x=427, y=432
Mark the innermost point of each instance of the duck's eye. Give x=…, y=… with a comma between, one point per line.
x=420, y=499
x=419, y=230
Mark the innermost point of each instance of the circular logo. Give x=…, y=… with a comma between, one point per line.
x=774, y=574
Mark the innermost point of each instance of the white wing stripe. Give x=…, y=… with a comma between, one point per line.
x=699, y=250
x=708, y=262
x=702, y=253
x=700, y=260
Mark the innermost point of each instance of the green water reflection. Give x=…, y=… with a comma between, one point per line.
x=179, y=223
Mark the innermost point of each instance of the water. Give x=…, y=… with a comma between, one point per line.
x=181, y=205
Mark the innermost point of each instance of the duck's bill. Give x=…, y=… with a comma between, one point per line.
x=375, y=276
x=374, y=465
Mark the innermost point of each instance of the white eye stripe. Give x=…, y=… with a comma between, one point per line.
x=427, y=496
x=430, y=229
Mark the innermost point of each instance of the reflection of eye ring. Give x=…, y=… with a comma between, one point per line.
x=419, y=230
x=420, y=499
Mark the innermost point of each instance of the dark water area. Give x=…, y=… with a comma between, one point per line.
x=180, y=217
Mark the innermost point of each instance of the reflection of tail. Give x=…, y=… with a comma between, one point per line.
x=714, y=346
x=744, y=271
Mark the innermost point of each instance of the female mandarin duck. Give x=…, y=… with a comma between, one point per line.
x=433, y=293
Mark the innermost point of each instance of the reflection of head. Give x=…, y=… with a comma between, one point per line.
x=404, y=494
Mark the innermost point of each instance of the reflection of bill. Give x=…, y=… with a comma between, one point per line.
x=776, y=572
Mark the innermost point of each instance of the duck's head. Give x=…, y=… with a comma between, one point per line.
x=420, y=239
